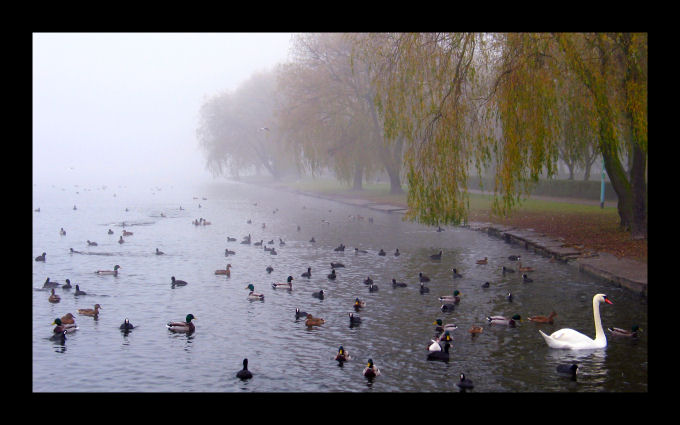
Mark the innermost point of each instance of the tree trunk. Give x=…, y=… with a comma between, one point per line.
x=358, y=177
x=639, y=194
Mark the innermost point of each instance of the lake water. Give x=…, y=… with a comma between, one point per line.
x=284, y=355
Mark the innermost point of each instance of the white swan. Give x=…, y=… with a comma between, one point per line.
x=570, y=339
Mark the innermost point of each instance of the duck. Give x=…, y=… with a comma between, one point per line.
x=93, y=312
x=368, y=280
x=319, y=295
x=447, y=307
x=62, y=232
x=273, y=252
x=230, y=239
x=79, y=292
x=226, y=271
x=91, y=243
x=182, y=327
x=113, y=272
x=354, y=319
x=50, y=284
x=381, y=252
x=126, y=325
x=110, y=232
x=423, y=278
x=269, y=269
x=567, y=370
x=68, y=319
x=340, y=248
x=441, y=328
x=258, y=243
x=440, y=355
x=526, y=279
x=343, y=355
x=62, y=327
x=507, y=270
x=61, y=337
x=371, y=370
x=281, y=242
x=126, y=233
x=54, y=298
x=312, y=240
x=502, y=320
x=314, y=321
x=543, y=319
x=484, y=261
x=514, y=258
x=362, y=251
x=464, y=384
x=332, y=274
x=174, y=282
x=570, y=339
x=252, y=295
x=373, y=288
x=475, y=330
x=424, y=289
x=73, y=251
x=308, y=273
x=396, y=284
x=437, y=256
x=509, y=297
x=121, y=240
x=336, y=265
x=455, y=298
x=446, y=336
x=486, y=285
x=41, y=257
x=287, y=285
x=159, y=252
x=397, y=253
x=524, y=269
x=633, y=332
x=244, y=373
x=228, y=252
x=359, y=304
x=299, y=313
x=456, y=275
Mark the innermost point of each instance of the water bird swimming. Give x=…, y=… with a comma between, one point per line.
x=41, y=257
x=62, y=327
x=484, y=261
x=359, y=304
x=341, y=247
x=175, y=282
x=464, y=384
x=486, y=285
x=424, y=289
x=436, y=256
x=226, y=271
x=368, y=280
x=440, y=355
x=381, y=252
x=126, y=325
x=354, y=319
x=455, y=298
x=524, y=269
x=92, y=312
x=68, y=319
x=319, y=295
x=54, y=298
x=456, y=275
x=252, y=295
x=396, y=284
x=507, y=270
x=570, y=339
x=50, y=284
x=543, y=319
x=269, y=269
x=372, y=288
x=502, y=320
x=397, y=253
x=62, y=232
x=244, y=373
x=121, y=240
x=423, y=278
x=110, y=232
x=362, y=251
x=314, y=321
x=158, y=252
x=79, y=292
x=567, y=370
x=287, y=285
x=308, y=273
x=182, y=327
x=299, y=313
x=633, y=332
x=526, y=279
x=371, y=370
x=343, y=355
x=514, y=258
x=91, y=243
x=332, y=274
x=113, y=272
x=336, y=265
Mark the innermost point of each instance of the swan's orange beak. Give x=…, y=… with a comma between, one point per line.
x=607, y=301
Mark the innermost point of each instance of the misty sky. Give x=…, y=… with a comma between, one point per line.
x=123, y=107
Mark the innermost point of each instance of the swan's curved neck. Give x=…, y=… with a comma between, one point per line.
x=599, y=332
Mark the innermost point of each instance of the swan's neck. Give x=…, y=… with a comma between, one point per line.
x=599, y=332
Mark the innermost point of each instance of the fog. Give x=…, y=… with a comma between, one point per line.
x=123, y=108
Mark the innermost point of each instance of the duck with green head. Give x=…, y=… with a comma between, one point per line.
x=62, y=327
x=109, y=272
x=252, y=295
x=455, y=298
x=633, y=332
x=183, y=327
x=501, y=320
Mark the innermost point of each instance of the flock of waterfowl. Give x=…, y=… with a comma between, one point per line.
x=438, y=350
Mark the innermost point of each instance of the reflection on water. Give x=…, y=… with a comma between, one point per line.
x=284, y=354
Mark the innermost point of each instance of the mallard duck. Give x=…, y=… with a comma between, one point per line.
x=54, y=298
x=543, y=319
x=441, y=328
x=62, y=327
x=230, y=239
x=182, y=327
x=62, y=232
x=464, y=384
x=287, y=285
x=126, y=233
x=319, y=295
x=126, y=325
x=299, y=313
x=501, y=320
x=67, y=285
x=507, y=270
x=79, y=292
x=484, y=261
x=396, y=284
x=371, y=370
x=423, y=278
x=228, y=252
x=440, y=355
x=50, y=284
x=567, y=370
x=281, y=242
x=332, y=274
x=456, y=275
x=258, y=243
x=91, y=243
x=226, y=271
x=526, y=279
x=109, y=272
x=360, y=251
x=354, y=319
x=93, y=312
x=121, y=240
x=514, y=258
x=175, y=282
x=314, y=321
x=159, y=252
x=359, y=304
x=269, y=269
x=68, y=319
x=343, y=355
x=486, y=285
x=373, y=288
x=437, y=256
x=381, y=252
x=244, y=373
x=633, y=332
x=61, y=336
x=252, y=295
x=308, y=273
x=397, y=253
x=273, y=252
x=474, y=330
x=336, y=265
x=455, y=298
x=446, y=336
x=110, y=232
x=368, y=280
x=340, y=248
x=524, y=269
x=41, y=257
x=424, y=289
x=447, y=307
